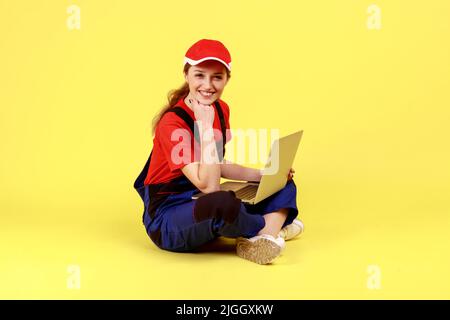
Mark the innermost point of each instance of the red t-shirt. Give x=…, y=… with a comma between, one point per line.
x=165, y=167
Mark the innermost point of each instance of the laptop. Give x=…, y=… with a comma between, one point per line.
x=273, y=179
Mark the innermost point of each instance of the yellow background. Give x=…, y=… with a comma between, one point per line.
x=372, y=170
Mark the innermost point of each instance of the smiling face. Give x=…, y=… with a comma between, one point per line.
x=206, y=81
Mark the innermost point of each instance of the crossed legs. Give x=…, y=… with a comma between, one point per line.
x=274, y=222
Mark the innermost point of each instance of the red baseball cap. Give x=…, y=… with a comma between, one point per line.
x=207, y=49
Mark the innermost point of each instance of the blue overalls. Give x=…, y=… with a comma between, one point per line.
x=176, y=222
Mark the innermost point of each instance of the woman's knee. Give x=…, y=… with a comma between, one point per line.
x=220, y=205
x=290, y=189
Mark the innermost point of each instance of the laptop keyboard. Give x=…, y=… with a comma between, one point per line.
x=247, y=192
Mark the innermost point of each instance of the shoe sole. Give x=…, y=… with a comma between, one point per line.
x=261, y=251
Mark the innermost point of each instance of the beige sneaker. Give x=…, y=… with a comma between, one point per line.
x=292, y=230
x=262, y=249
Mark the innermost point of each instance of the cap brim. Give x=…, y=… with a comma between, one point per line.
x=196, y=62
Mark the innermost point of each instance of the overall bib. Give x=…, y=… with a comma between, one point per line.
x=176, y=222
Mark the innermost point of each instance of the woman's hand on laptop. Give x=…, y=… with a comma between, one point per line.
x=234, y=171
x=291, y=174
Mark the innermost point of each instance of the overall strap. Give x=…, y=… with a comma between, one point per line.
x=222, y=127
x=179, y=111
x=222, y=122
